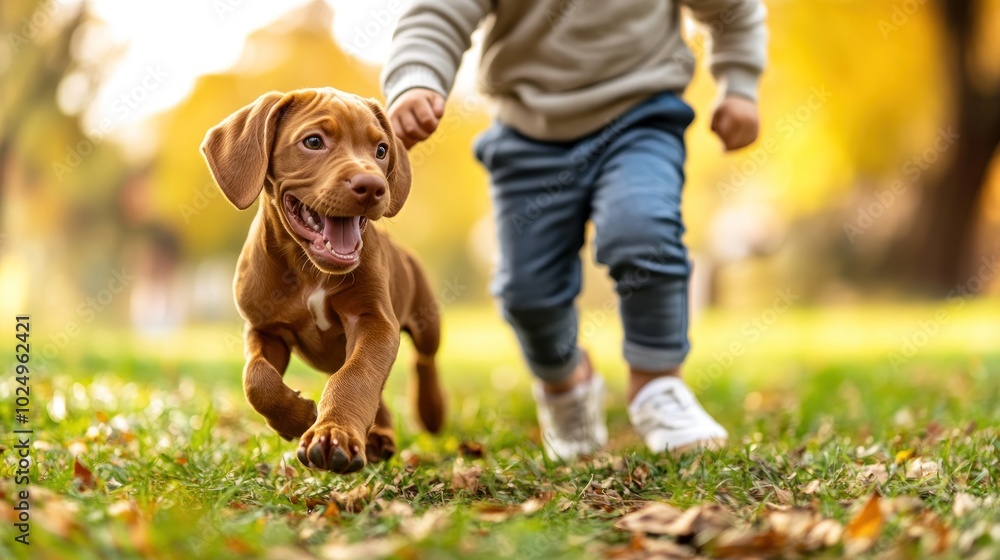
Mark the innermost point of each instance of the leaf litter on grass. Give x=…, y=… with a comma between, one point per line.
x=125, y=481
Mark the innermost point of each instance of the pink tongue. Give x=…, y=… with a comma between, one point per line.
x=344, y=234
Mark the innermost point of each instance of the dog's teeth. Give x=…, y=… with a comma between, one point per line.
x=312, y=224
x=329, y=247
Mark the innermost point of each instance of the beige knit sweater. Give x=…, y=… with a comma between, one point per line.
x=560, y=69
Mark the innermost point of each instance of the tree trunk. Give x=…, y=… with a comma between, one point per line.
x=942, y=241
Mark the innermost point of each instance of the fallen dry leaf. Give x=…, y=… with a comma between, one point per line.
x=929, y=528
x=744, y=543
x=395, y=508
x=794, y=523
x=703, y=521
x=651, y=519
x=352, y=501
x=310, y=503
x=784, y=533
x=921, y=468
x=331, y=511
x=782, y=496
x=811, y=488
x=419, y=528
x=861, y=533
x=824, y=534
x=641, y=547
x=496, y=513
x=596, y=496
x=83, y=476
x=639, y=475
x=964, y=503
x=465, y=478
x=873, y=473
x=864, y=452
x=532, y=505
x=657, y=518
x=286, y=470
x=805, y=528
x=410, y=459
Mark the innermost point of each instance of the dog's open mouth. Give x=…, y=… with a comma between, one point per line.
x=336, y=239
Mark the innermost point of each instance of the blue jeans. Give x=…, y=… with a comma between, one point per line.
x=626, y=178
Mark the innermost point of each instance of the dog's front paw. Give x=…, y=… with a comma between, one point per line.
x=332, y=447
x=297, y=416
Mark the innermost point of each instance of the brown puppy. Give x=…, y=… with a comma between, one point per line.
x=314, y=278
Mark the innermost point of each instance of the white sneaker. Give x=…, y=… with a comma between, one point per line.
x=667, y=415
x=572, y=423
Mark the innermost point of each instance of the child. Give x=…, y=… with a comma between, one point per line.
x=590, y=126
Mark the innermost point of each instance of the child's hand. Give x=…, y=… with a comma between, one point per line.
x=735, y=122
x=415, y=115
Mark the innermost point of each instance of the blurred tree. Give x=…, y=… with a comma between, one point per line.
x=30, y=73
x=58, y=186
x=942, y=248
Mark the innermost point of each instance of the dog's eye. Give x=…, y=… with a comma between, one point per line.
x=381, y=150
x=313, y=142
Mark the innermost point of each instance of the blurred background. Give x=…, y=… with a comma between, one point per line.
x=866, y=220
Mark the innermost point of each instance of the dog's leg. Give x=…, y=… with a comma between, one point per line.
x=351, y=398
x=284, y=410
x=424, y=329
x=381, y=437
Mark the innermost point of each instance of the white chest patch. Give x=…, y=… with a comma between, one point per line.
x=315, y=302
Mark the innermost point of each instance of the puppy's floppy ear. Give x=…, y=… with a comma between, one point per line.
x=398, y=174
x=238, y=149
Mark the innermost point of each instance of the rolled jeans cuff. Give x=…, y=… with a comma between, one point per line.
x=653, y=359
x=555, y=373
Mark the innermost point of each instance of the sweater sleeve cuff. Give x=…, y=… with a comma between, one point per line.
x=737, y=79
x=412, y=76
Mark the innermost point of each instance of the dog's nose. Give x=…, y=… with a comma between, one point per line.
x=368, y=188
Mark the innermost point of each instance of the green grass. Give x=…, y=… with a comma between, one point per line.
x=185, y=469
